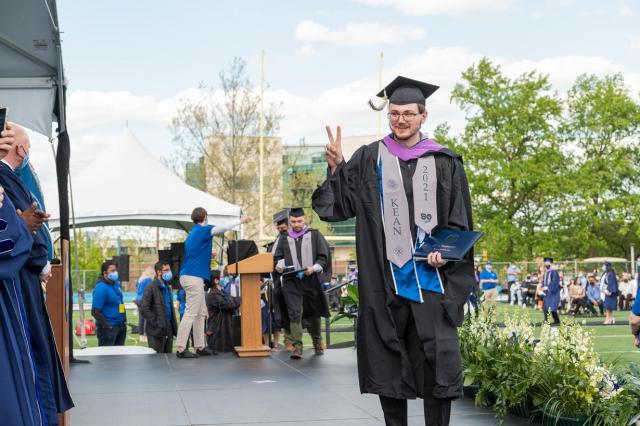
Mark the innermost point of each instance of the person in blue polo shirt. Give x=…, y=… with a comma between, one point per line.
x=488, y=282
x=108, y=308
x=196, y=268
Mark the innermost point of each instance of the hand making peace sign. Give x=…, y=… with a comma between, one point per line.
x=333, y=150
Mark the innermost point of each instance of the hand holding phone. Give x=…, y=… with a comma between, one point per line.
x=7, y=134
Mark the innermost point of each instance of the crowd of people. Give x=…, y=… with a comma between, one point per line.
x=597, y=293
x=208, y=301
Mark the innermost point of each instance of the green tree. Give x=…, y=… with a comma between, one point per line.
x=601, y=132
x=222, y=128
x=513, y=158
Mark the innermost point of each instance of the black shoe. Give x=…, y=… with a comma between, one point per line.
x=205, y=352
x=186, y=354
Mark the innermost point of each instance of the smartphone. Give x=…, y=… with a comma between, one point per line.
x=3, y=118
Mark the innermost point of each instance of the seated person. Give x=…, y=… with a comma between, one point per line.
x=594, y=297
x=578, y=297
x=221, y=307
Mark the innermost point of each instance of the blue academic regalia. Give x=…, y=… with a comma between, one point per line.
x=19, y=404
x=52, y=386
x=552, y=293
x=611, y=301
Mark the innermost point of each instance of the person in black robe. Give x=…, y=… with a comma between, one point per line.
x=52, y=386
x=304, y=260
x=405, y=348
x=281, y=222
x=220, y=307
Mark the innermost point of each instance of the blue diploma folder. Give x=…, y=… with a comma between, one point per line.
x=451, y=243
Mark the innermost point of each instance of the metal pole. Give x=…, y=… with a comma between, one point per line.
x=633, y=256
x=261, y=221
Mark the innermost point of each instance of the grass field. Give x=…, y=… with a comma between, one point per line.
x=613, y=342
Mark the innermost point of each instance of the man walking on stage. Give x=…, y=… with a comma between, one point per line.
x=401, y=189
x=303, y=258
x=195, y=270
x=281, y=221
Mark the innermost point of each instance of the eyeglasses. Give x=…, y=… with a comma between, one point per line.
x=408, y=116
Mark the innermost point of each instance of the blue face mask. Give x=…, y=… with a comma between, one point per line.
x=25, y=161
x=113, y=276
x=167, y=276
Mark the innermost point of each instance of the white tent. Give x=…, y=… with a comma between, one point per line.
x=31, y=62
x=127, y=185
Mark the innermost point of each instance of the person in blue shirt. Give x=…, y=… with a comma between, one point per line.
x=551, y=290
x=158, y=312
x=108, y=308
x=594, y=296
x=610, y=293
x=488, y=282
x=196, y=268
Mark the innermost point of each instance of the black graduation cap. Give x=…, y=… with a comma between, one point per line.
x=281, y=217
x=548, y=260
x=296, y=212
x=403, y=91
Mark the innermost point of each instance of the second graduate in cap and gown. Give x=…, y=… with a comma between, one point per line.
x=401, y=189
x=306, y=252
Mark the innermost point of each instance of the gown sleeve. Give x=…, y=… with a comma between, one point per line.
x=15, y=241
x=459, y=274
x=336, y=199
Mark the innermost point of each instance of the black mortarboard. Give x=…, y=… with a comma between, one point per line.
x=403, y=90
x=281, y=217
x=296, y=212
x=548, y=260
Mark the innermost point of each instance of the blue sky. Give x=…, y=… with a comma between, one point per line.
x=132, y=60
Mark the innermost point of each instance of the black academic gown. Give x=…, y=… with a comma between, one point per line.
x=19, y=404
x=385, y=365
x=305, y=298
x=279, y=303
x=52, y=385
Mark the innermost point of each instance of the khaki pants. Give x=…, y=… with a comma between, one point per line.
x=195, y=312
x=490, y=295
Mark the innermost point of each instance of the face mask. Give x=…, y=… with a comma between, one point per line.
x=489, y=268
x=167, y=276
x=548, y=266
x=25, y=161
x=604, y=268
x=113, y=276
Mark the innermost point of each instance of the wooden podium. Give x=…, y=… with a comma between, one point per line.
x=250, y=270
x=58, y=309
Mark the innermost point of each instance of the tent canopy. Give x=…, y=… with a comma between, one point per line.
x=31, y=65
x=127, y=185
x=605, y=259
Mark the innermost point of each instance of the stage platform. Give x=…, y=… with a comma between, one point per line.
x=160, y=390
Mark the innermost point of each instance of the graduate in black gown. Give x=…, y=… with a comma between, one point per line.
x=306, y=252
x=52, y=387
x=19, y=404
x=281, y=222
x=400, y=189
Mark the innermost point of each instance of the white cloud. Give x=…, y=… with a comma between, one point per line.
x=624, y=9
x=444, y=7
x=357, y=33
x=306, y=50
x=96, y=119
